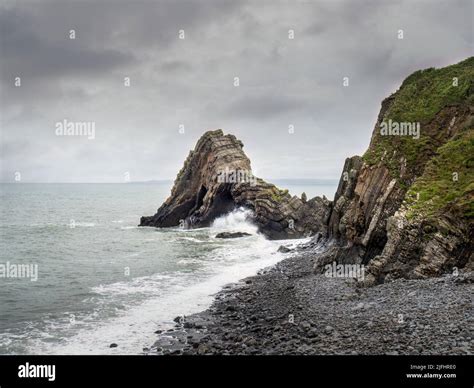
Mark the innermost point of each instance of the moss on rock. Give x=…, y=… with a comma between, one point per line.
x=421, y=98
x=448, y=180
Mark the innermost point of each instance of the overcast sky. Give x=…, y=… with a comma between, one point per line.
x=190, y=81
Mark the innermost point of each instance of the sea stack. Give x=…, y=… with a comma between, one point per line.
x=217, y=178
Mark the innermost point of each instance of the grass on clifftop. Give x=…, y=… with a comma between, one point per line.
x=436, y=188
x=420, y=98
x=426, y=92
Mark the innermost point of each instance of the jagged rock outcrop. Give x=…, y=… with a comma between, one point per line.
x=217, y=178
x=375, y=219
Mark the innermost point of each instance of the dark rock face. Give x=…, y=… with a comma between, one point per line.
x=343, y=198
x=217, y=178
x=232, y=234
x=419, y=249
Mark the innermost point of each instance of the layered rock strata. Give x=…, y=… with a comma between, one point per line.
x=217, y=178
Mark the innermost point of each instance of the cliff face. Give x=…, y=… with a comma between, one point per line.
x=217, y=178
x=433, y=230
x=405, y=208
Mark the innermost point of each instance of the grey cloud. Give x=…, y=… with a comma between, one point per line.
x=25, y=52
x=261, y=107
x=190, y=81
x=175, y=66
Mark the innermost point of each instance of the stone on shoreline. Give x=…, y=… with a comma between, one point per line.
x=284, y=249
x=232, y=234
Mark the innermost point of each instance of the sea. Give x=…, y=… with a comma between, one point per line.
x=101, y=279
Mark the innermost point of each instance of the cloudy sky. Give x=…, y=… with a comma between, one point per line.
x=190, y=81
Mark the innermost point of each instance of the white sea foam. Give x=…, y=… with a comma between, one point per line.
x=189, y=261
x=193, y=239
x=236, y=221
x=82, y=224
x=144, y=285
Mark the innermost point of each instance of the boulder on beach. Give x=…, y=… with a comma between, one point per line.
x=232, y=234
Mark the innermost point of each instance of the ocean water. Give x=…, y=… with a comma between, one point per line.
x=101, y=279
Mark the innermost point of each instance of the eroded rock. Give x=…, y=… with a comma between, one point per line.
x=217, y=178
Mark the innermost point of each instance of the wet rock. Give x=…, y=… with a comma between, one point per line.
x=232, y=234
x=328, y=329
x=202, y=349
x=284, y=249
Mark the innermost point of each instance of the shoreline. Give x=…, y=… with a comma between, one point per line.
x=290, y=309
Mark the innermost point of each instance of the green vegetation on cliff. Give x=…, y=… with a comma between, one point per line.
x=278, y=195
x=447, y=181
x=424, y=93
x=420, y=99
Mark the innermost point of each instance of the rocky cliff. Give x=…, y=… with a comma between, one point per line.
x=217, y=178
x=405, y=209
